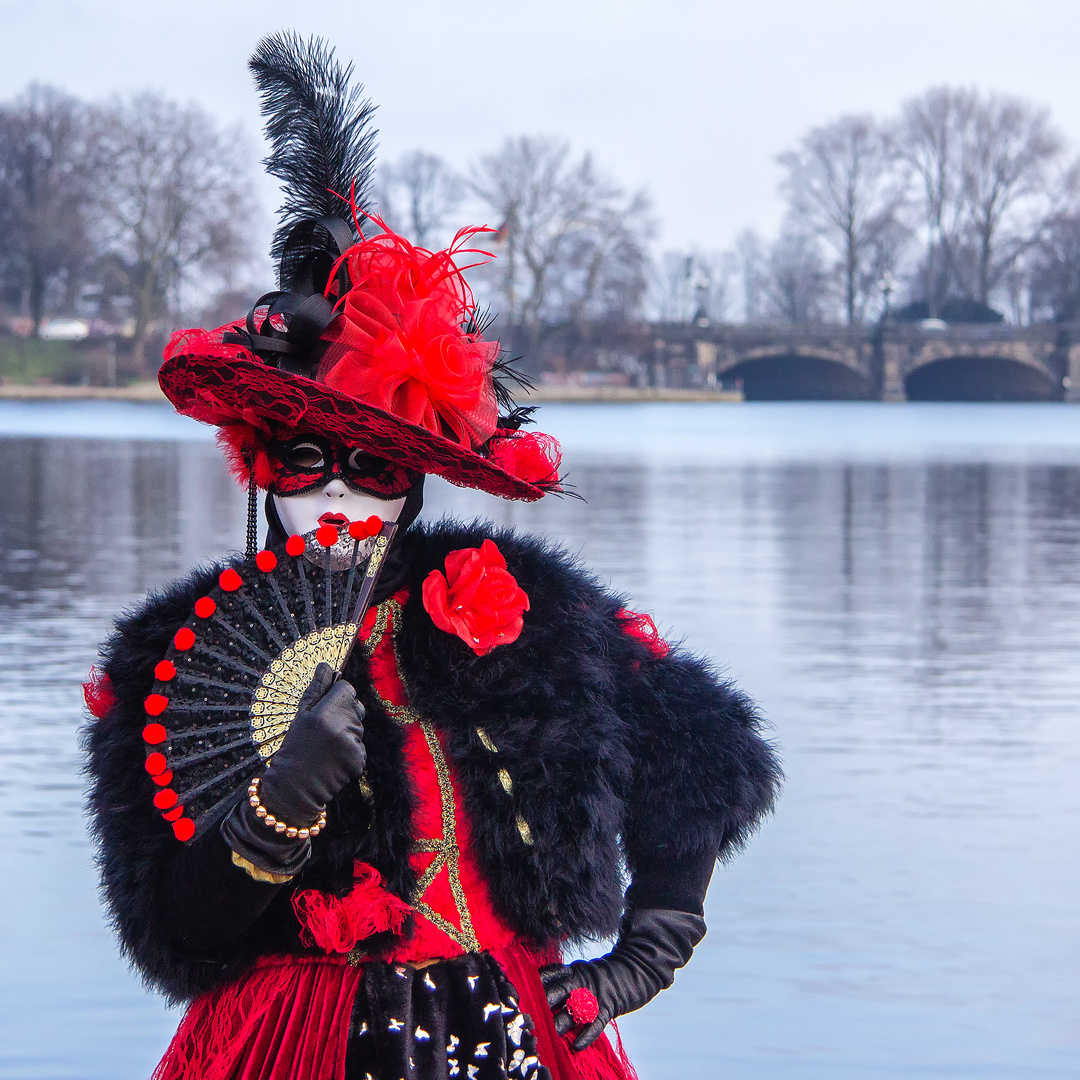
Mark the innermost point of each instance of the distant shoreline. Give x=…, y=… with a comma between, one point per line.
x=151, y=392
x=143, y=391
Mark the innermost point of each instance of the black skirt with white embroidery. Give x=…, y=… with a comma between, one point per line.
x=456, y=1019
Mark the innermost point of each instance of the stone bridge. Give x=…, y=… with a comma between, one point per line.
x=891, y=361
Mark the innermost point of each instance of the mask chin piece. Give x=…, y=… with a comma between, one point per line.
x=343, y=555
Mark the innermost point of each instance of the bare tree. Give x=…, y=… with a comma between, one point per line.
x=173, y=201
x=685, y=286
x=1006, y=156
x=843, y=185
x=983, y=163
x=45, y=189
x=417, y=194
x=670, y=286
x=930, y=137
x=1055, y=270
x=798, y=282
x=751, y=259
x=606, y=273
x=572, y=244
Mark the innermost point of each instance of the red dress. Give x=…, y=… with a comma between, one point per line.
x=289, y=1018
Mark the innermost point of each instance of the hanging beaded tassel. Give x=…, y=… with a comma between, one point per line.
x=252, y=515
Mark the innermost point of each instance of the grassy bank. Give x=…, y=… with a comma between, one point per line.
x=29, y=360
x=103, y=362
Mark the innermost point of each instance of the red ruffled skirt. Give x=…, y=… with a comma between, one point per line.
x=300, y=1018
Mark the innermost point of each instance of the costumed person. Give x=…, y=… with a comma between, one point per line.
x=358, y=863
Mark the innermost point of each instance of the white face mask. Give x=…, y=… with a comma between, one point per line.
x=336, y=504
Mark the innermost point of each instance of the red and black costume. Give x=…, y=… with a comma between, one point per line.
x=517, y=770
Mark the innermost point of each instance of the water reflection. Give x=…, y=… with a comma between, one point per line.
x=911, y=627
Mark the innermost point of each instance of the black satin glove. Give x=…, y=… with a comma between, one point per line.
x=322, y=752
x=653, y=943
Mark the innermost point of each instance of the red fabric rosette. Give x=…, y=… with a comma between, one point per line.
x=478, y=599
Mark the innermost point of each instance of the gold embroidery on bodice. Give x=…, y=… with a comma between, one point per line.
x=444, y=848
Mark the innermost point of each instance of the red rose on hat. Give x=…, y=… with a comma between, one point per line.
x=478, y=599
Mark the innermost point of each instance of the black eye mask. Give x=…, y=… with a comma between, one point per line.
x=307, y=463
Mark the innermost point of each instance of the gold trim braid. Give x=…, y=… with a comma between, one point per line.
x=445, y=848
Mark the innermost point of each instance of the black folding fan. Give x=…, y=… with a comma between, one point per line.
x=228, y=688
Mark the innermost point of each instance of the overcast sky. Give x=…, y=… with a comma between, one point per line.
x=690, y=100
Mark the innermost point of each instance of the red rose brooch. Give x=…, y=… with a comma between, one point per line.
x=478, y=599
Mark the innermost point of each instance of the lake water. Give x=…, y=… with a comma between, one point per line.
x=898, y=585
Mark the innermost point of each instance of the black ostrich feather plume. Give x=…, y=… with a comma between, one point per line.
x=322, y=142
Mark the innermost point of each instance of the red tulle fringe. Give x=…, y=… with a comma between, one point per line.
x=335, y=924
x=98, y=693
x=643, y=629
x=529, y=455
x=287, y=1019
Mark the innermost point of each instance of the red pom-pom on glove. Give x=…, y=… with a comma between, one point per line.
x=582, y=1006
x=478, y=599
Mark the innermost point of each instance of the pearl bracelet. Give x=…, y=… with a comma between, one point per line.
x=280, y=826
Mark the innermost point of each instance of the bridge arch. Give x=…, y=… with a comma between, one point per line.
x=979, y=378
x=791, y=376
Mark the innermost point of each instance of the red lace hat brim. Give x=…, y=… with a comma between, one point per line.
x=278, y=404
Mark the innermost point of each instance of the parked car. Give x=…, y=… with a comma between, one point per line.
x=64, y=330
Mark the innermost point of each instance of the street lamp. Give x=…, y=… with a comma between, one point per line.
x=887, y=284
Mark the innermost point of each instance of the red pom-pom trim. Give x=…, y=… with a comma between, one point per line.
x=361, y=530
x=205, y=607
x=154, y=734
x=327, y=535
x=230, y=580
x=156, y=763
x=295, y=545
x=184, y=829
x=164, y=779
x=164, y=671
x=582, y=1006
x=184, y=638
x=155, y=704
x=165, y=799
x=174, y=814
x=266, y=561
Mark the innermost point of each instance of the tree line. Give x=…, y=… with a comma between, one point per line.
x=110, y=208
x=138, y=212
x=963, y=205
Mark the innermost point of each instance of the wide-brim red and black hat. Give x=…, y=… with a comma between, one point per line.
x=371, y=342
x=253, y=403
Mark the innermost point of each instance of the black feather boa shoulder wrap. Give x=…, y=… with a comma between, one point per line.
x=624, y=762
